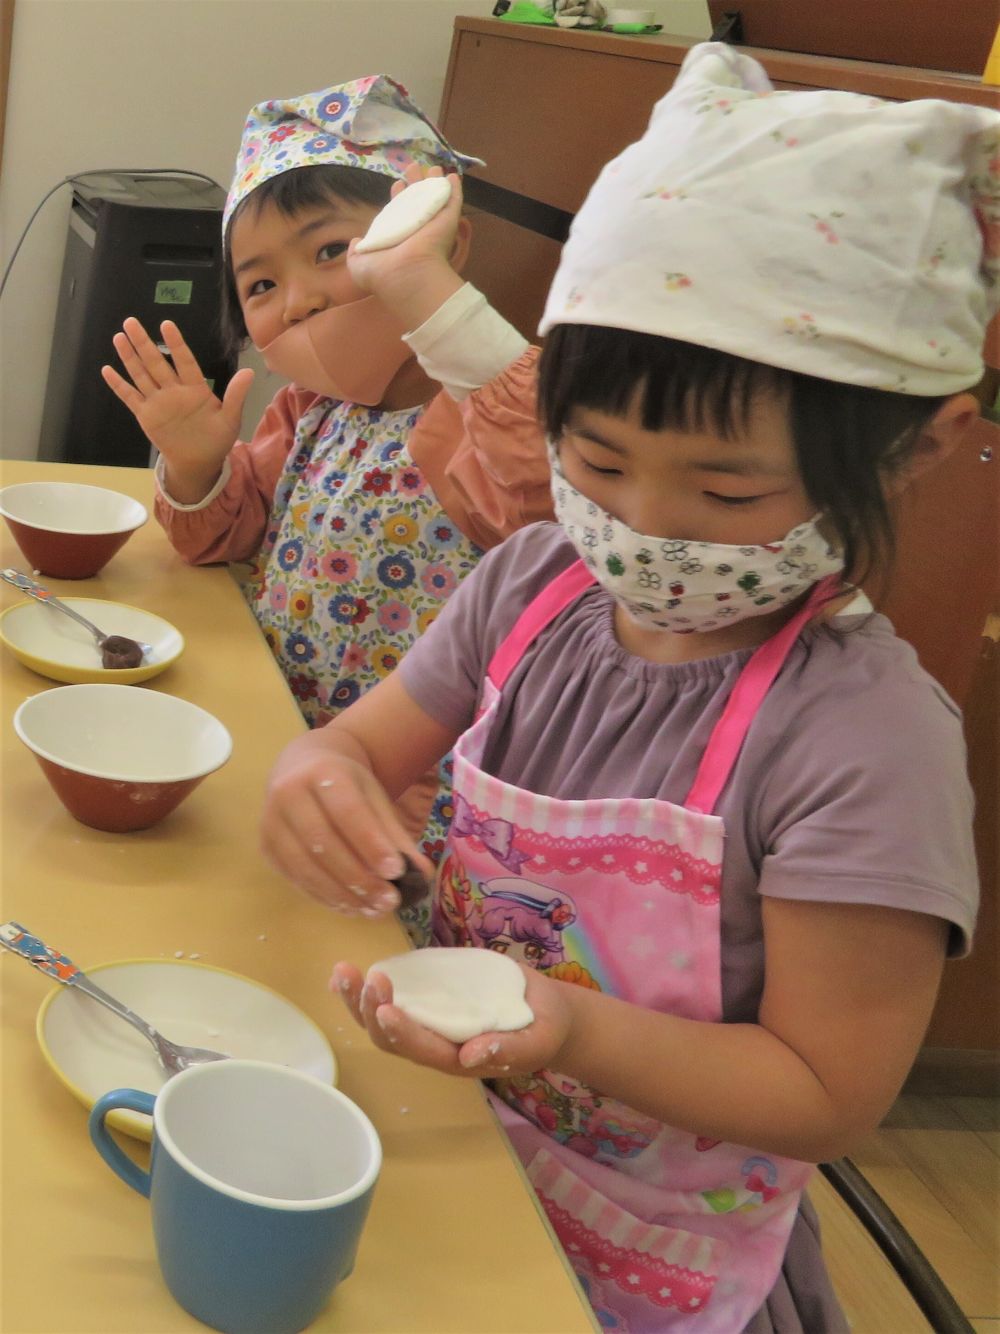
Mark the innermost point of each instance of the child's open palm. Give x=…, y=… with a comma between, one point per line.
x=192, y=428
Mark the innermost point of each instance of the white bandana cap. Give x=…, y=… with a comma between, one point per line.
x=824, y=232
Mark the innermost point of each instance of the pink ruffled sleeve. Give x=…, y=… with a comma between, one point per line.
x=485, y=457
x=230, y=523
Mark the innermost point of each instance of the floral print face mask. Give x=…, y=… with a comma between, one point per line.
x=690, y=587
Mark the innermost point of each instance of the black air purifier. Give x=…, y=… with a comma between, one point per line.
x=148, y=246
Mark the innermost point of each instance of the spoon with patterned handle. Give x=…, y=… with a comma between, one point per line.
x=171, y=1055
x=117, y=651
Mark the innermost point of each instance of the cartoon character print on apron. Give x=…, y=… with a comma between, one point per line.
x=666, y=1230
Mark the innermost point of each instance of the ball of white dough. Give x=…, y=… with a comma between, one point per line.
x=405, y=214
x=459, y=993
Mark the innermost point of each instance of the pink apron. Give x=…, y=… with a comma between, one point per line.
x=666, y=1230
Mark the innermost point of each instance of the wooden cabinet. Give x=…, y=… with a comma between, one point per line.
x=902, y=32
x=546, y=108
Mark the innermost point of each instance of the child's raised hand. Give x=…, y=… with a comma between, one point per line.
x=330, y=827
x=416, y=276
x=188, y=424
x=489, y=1056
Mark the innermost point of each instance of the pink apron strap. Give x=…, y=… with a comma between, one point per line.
x=539, y=613
x=755, y=680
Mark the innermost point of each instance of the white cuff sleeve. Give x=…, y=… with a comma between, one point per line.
x=199, y=505
x=466, y=343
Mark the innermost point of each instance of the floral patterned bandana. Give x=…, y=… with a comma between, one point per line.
x=689, y=587
x=824, y=232
x=371, y=123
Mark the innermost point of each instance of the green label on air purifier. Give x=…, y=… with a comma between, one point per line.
x=173, y=292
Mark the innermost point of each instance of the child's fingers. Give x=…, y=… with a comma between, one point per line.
x=359, y=995
x=347, y=981
x=394, y=1030
x=412, y=174
x=128, y=393
x=455, y=181
x=372, y=1004
x=153, y=361
x=377, y=991
x=311, y=856
x=235, y=396
x=185, y=364
x=313, y=853
x=369, y=825
x=138, y=374
x=486, y=1051
x=415, y=172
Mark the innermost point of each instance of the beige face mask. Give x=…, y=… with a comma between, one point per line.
x=350, y=352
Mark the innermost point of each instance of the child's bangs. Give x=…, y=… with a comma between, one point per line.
x=308, y=187
x=682, y=386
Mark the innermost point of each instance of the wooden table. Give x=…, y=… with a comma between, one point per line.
x=454, y=1241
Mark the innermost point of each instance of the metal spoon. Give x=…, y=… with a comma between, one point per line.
x=117, y=651
x=172, y=1056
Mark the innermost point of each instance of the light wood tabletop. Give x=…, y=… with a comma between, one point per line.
x=454, y=1241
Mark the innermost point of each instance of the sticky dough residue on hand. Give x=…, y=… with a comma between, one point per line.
x=459, y=993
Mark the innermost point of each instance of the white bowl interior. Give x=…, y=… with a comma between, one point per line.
x=123, y=733
x=54, y=637
x=69, y=507
x=189, y=1003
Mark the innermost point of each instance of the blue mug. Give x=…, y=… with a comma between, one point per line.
x=260, y=1182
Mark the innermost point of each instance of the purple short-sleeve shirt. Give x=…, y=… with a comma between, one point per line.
x=851, y=786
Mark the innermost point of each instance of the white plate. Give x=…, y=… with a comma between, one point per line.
x=92, y=1051
x=54, y=645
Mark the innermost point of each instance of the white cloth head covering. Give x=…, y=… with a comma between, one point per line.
x=825, y=232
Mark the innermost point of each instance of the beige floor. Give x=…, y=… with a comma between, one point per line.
x=936, y=1163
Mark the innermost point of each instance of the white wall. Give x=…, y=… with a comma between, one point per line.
x=158, y=83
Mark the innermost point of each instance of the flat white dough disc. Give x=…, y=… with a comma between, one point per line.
x=459, y=992
x=405, y=214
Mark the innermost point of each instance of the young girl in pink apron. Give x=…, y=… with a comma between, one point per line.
x=701, y=791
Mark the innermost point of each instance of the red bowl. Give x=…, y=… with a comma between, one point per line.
x=67, y=530
x=120, y=757
x=134, y=806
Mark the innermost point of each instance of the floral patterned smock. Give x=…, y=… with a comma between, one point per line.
x=357, y=561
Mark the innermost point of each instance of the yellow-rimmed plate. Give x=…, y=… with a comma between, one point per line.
x=92, y=1051
x=54, y=645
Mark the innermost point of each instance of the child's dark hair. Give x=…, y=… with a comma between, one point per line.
x=848, y=439
x=289, y=193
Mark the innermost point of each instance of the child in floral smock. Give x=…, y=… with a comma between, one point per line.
x=377, y=477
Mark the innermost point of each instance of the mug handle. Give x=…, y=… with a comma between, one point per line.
x=116, y=1158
